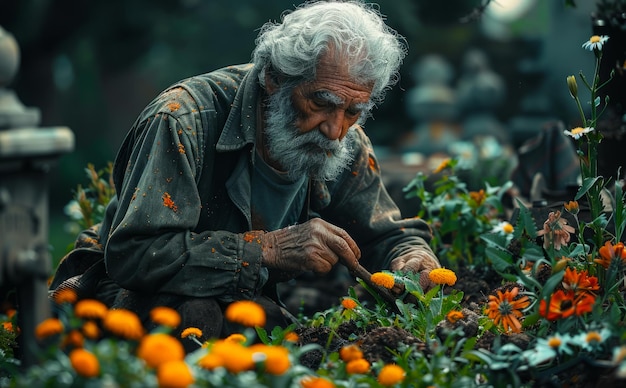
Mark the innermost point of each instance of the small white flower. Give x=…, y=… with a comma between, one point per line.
x=546, y=349
x=577, y=132
x=503, y=228
x=591, y=340
x=595, y=42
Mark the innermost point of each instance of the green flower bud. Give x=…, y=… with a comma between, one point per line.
x=572, y=86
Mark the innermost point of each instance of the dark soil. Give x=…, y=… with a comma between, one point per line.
x=380, y=343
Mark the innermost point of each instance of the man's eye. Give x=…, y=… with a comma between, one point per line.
x=353, y=112
x=320, y=103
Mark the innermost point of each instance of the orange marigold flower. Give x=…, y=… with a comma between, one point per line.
x=478, y=196
x=156, y=349
x=232, y=355
x=555, y=230
x=85, y=363
x=359, y=366
x=74, y=339
x=90, y=309
x=383, y=279
x=48, y=328
x=454, y=315
x=66, y=295
x=174, y=374
x=165, y=316
x=210, y=361
x=91, y=330
x=504, y=309
x=579, y=281
x=564, y=304
x=442, y=276
x=292, y=337
x=348, y=303
x=246, y=313
x=8, y=326
x=391, y=374
x=123, y=323
x=572, y=207
x=191, y=332
x=275, y=358
x=609, y=252
x=350, y=352
x=236, y=337
x=316, y=382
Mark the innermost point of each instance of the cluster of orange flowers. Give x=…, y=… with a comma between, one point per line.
x=576, y=297
x=352, y=355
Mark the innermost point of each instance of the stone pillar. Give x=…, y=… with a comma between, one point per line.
x=27, y=152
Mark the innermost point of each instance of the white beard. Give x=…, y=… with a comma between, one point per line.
x=311, y=153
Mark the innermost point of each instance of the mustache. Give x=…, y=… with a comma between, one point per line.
x=315, y=140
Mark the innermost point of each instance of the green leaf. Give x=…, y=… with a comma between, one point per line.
x=588, y=183
x=500, y=259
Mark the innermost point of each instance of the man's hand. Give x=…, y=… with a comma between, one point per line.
x=421, y=262
x=315, y=245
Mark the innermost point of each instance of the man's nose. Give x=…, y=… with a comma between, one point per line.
x=334, y=125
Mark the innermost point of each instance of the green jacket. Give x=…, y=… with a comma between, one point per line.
x=181, y=221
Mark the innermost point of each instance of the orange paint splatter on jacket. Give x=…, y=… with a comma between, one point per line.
x=372, y=164
x=169, y=202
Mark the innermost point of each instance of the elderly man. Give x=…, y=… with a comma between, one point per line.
x=232, y=181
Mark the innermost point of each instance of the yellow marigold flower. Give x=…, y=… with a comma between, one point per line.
x=91, y=330
x=454, y=315
x=165, y=316
x=156, y=349
x=90, y=309
x=350, y=352
x=348, y=303
x=84, y=363
x=383, y=279
x=123, y=323
x=390, y=374
x=246, y=313
x=236, y=337
x=292, y=337
x=74, y=339
x=66, y=295
x=48, y=328
x=275, y=358
x=174, y=374
x=191, y=331
x=316, y=382
x=359, y=366
x=442, y=276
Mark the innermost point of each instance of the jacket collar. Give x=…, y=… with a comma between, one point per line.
x=241, y=124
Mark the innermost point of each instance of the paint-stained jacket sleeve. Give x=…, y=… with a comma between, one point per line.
x=152, y=246
x=359, y=203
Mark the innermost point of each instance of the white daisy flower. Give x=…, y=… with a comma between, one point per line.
x=503, y=228
x=577, y=132
x=595, y=42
